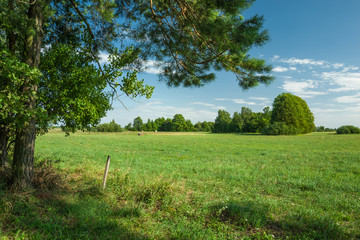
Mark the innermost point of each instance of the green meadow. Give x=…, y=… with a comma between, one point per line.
x=189, y=186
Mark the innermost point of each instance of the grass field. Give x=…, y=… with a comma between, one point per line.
x=191, y=186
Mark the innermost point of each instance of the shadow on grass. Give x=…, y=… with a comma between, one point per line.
x=304, y=226
x=243, y=214
x=255, y=217
x=64, y=214
x=50, y=216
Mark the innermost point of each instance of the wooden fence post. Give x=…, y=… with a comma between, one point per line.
x=106, y=171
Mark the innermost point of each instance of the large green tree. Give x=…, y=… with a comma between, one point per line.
x=50, y=48
x=293, y=111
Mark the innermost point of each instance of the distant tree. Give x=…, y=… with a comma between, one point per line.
x=159, y=122
x=264, y=119
x=320, y=129
x=198, y=127
x=189, y=125
x=222, y=122
x=293, y=111
x=138, y=124
x=179, y=123
x=348, y=129
x=148, y=126
x=166, y=126
x=246, y=115
x=237, y=122
x=109, y=127
x=208, y=126
x=129, y=127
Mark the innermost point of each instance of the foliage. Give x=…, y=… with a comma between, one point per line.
x=109, y=127
x=178, y=123
x=73, y=92
x=292, y=110
x=63, y=40
x=200, y=36
x=138, y=124
x=222, y=122
x=348, y=129
x=280, y=128
x=13, y=74
x=324, y=129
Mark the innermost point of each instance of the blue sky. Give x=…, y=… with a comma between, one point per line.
x=314, y=50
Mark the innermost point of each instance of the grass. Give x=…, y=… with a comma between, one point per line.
x=203, y=186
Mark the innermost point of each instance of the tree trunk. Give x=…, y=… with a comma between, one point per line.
x=4, y=138
x=23, y=160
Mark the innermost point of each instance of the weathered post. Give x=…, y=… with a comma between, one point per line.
x=106, y=171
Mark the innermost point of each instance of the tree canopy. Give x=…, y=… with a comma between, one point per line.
x=51, y=69
x=294, y=111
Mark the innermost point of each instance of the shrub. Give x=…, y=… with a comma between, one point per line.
x=348, y=129
x=294, y=111
x=280, y=128
x=109, y=127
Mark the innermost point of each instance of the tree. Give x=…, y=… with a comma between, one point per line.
x=138, y=124
x=186, y=38
x=166, y=126
x=348, y=129
x=236, y=122
x=178, y=123
x=222, y=122
x=294, y=111
x=189, y=126
x=207, y=126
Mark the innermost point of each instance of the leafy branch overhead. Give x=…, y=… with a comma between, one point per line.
x=52, y=71
x=196, y=37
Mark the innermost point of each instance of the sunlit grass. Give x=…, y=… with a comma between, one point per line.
x=204, y=186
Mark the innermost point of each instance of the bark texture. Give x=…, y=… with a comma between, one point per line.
x=23, y=160
x=4, y=138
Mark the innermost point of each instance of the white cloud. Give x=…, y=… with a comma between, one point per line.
x=337, y=65
x=242, y=101
x=104, y=57
x=152, y=67
x=245, y=102
x=213, y=106
x=346, y=81
x=203, y=104
x=302, y=89
x=222, y=99
x=349, y=99
x=280, y=69
x=155, y=109
x=306, y=61
x=260, y=98
x=283, y=69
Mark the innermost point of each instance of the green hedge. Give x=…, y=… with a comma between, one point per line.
x=348, y=129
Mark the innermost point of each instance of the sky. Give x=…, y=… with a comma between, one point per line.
x=315, y=54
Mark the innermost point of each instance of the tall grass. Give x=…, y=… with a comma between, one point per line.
x=205, y=186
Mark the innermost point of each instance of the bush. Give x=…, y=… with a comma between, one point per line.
x=348, y=129
x=293, y=111
x=109, y=127
x=280, y=128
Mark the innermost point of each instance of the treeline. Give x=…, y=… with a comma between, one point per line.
x=108, y=127
x=175, y=124
x=290, y=115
